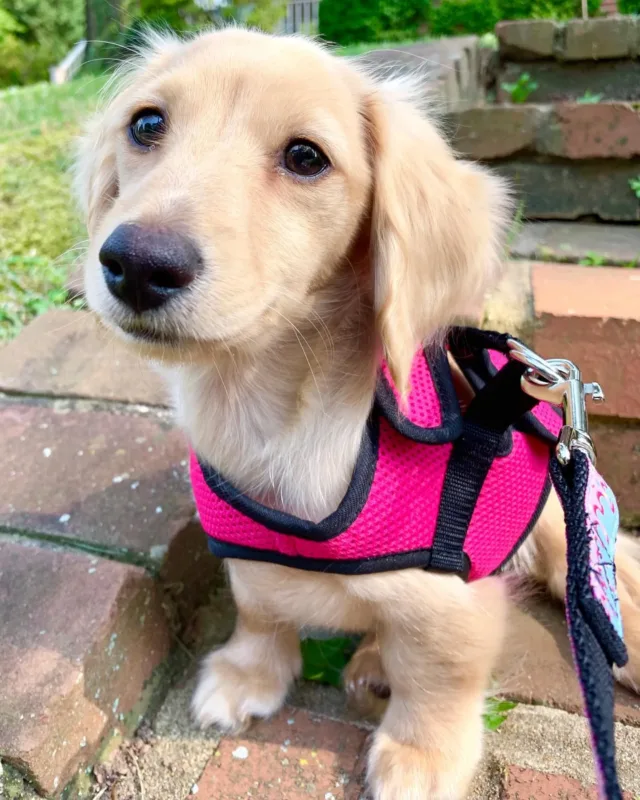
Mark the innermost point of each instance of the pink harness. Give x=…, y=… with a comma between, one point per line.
x=430, y=489
x=456, y=491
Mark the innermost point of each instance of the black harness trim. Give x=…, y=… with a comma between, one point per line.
x=481, y=435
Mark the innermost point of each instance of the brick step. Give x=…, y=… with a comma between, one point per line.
x=573, y=242
x=551, y=189
x=612, y=80
x=566, y=160
x=80, y=638
x=96, y=503
x=590, y=315
x=568, y=60
x=538, y=753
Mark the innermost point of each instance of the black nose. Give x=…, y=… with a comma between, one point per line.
x=146, y=266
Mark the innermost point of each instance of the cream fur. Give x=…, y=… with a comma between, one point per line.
x=305, y=285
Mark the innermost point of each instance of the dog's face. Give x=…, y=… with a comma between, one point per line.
x=235, y=175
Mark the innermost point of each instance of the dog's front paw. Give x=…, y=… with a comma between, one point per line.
x=398, y=771
x=365, y=680
x=229, y=695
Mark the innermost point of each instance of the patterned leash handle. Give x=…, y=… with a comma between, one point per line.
x=592, y=519
x=592, y=606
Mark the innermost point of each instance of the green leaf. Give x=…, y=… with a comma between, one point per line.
x=323, y=660
x=496, y=712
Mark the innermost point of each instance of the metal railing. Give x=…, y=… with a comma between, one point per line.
x=302, y=17
x=70, y=64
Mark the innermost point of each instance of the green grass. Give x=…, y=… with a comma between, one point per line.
x=366, y=47
x=39, y=223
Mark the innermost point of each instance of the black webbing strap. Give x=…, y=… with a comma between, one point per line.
x=491, y=412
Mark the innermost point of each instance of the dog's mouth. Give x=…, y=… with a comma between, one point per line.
x=150, y=336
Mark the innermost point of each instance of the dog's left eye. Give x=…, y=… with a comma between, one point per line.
x=305, y=159
x=147, y=128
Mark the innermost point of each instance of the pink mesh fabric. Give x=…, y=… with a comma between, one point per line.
x=423, y=406
x=507, y=502
x=399, y=515
x=401, y=511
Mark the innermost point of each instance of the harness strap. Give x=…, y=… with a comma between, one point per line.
x=499, y=404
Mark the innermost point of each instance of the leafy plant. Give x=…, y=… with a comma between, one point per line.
x=634, y=183
x=520, y=91
x=592, y=259
x=372, y=20
x=453, y=17
x=496, y=712
x=323, y=660
x=266, y=14
x=629, y=6
x=34, y=34
x=516, y=226
x=516, y=9
x=180, y=15
x=589, y=98
x=562, y=9
x=489, y=41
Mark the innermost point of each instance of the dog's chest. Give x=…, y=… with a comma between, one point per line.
x=299, y=461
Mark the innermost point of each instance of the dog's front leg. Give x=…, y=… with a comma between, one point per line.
x=251, y=674
x=438, y=640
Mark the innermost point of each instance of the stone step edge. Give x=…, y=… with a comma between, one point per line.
x=152, y=564
x=569, y=131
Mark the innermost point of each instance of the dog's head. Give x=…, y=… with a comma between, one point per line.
x=236, y=174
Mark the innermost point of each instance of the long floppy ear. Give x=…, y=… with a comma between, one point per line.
x=437, y=228
x=95, y=176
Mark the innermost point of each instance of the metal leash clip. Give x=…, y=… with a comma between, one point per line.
x=558, y=381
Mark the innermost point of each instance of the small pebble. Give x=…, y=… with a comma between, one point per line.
x=158, y=509
x=46, y=452
x=64, y=518
x=240, y=752
x=195, y=788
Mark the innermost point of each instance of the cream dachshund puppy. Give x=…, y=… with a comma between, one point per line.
x=266, y=220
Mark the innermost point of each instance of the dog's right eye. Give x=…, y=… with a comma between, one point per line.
x=147, y=128
x=305, y=159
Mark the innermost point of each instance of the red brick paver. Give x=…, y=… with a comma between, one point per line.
x=119, y=480
x=69, y=354
x=537, y=666
x=591, y=315
x=605, y=130
x=80, y=636
x=294, y=756
x=528, y=784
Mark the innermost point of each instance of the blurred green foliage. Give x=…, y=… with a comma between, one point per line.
x=454, y=17
x=372, y=20
x=392, y=20
x=34, y=34
x=266, y=14
x=41, y=233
